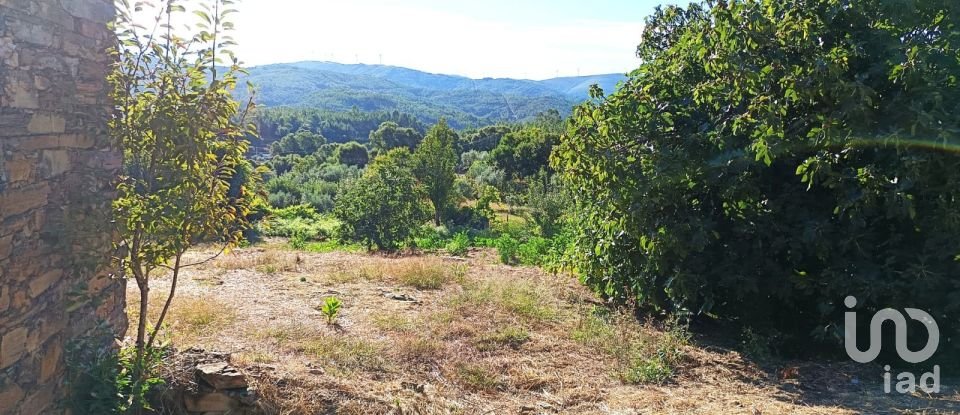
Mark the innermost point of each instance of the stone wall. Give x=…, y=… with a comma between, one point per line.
x=56, y=168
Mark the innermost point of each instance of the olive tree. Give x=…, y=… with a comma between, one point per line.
x=384, y=207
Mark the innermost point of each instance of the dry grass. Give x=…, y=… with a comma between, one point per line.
x=264, y=261
x=512, y=337
x=250, y=358
x=423, y=273
x=419, y=350
x=364, y=273
x=189, y=320
x=480, y=338
x=343, y=354
x=520, y=299
x=392, y=323
x=477, y=378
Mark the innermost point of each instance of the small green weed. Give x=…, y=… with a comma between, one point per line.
x=331, y=309
x=459, y=245
x=507, y=248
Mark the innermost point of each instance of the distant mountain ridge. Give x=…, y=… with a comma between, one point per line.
x=463, y=101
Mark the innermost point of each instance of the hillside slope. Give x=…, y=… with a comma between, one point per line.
x=464, y=101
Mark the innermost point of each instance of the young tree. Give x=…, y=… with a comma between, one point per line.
x=545, y=203
x=384, y=207
x=435, y=164
x=182, y=136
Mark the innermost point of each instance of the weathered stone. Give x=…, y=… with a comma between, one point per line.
x=21, y=91
x=40, y=284
x=39, y=142
x=6, y=246
x=97, y=11
x=52, y=184
x=8, y=53
x=35, y=34
x=51, y=362
x=18, y=171
x=210, y=402
x=46, y=124
x=39, y=401
x=77, y=141
x=16, y=202
x=4, y=299
x=55, y=162
x=221, y=376
x=12, y=346
x=51, y=10
x=10, y=395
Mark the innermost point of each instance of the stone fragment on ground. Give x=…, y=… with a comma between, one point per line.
x=221, y=376
x=222, y=389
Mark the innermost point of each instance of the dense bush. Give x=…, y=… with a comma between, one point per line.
x=384, y=207
x=310, y=181
x=299, y=222
x=302, y=142
x=545, y=203
x=459, y=245
x=769, y=159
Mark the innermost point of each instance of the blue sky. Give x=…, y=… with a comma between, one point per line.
x=484, y=38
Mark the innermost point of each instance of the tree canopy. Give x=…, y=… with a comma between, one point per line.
x=435, y=163
x=391, y=135
x=770, y=158
x=384, y=207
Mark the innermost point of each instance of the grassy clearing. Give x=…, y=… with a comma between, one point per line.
x=344, y=354
x=512, y=337
x=525, y=300
x=393, y=323
x=265, y=261
x=642, y=354
x=477, y=378
x=190, y=319
x=425, y=273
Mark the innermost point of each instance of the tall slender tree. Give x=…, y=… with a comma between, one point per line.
x=182, y=137
x=435, y=166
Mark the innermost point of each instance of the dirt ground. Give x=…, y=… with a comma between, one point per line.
x=435, y=335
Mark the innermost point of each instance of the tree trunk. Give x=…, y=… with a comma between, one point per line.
x=166, y=305
x=142, y=319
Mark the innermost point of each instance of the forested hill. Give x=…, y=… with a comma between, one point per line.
x=463, y=101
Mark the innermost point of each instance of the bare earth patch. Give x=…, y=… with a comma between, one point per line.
x=434, y=335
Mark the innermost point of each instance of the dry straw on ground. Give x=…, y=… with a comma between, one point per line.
x=428, y=335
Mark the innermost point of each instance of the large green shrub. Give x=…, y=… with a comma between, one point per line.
x=384, y=207
x=770, y=158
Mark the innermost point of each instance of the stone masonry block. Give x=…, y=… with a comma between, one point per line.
x=12, y=346
x=40, y=284
x=46, y=124
x=55, y=162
